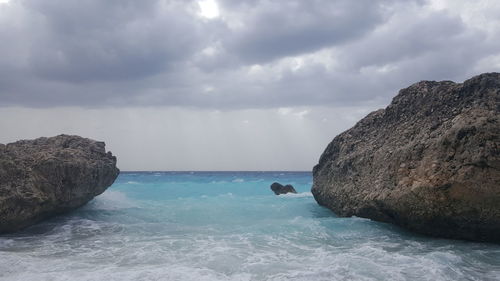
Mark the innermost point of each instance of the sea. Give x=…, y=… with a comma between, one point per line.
x=229, y=226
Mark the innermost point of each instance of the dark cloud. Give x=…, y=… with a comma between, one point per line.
x=111, y=40
x=258, y=53
x=273, y=29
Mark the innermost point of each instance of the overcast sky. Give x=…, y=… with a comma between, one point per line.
x=226, y=84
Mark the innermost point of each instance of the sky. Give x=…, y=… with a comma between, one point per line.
x=226, y=84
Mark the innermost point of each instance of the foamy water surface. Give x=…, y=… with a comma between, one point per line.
x=229, y=226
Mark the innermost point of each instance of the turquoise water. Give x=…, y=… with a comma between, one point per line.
x=229, y=226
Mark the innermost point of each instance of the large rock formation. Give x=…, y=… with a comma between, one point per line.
x=429, y=162
x=48, y=176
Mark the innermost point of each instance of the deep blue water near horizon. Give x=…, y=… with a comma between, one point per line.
x=229, y=226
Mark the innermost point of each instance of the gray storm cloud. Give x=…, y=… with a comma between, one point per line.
x=254, y=54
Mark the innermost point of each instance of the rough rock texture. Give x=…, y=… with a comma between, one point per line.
x=48, y=176
x=278, y=188
x=429, y=162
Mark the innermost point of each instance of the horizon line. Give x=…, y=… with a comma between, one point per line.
x=204, y=171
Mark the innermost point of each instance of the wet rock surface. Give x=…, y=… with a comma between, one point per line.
x=278, y=188
x=48, y=176
x=429, y=162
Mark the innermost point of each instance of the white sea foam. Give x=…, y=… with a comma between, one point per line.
x=238, y=180
x=231, y=257
x=297, y=195
x=112, y=200
x=218, y=182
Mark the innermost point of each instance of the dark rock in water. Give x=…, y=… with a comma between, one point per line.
x=278, y=188
x=429, y=162
x=48, y=176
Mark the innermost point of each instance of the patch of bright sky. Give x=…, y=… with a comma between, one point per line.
x=209, y=9
x=325, y=58
x=177, y=138
x=209, y=51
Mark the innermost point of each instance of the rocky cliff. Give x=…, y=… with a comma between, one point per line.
x=429, y=162
x=48, y=176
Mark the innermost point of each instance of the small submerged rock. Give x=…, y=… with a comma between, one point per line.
x=48, y=176
x=278, y=188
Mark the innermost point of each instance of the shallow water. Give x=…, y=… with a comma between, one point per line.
x=229, y=226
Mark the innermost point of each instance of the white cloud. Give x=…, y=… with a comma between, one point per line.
x=208, y=89
x=284, y=110
x=301, y=114
x=482, y=14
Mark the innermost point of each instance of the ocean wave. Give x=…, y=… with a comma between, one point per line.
x=112, y=200
x=297, y=195
x=297, y=255
x=218, y=182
